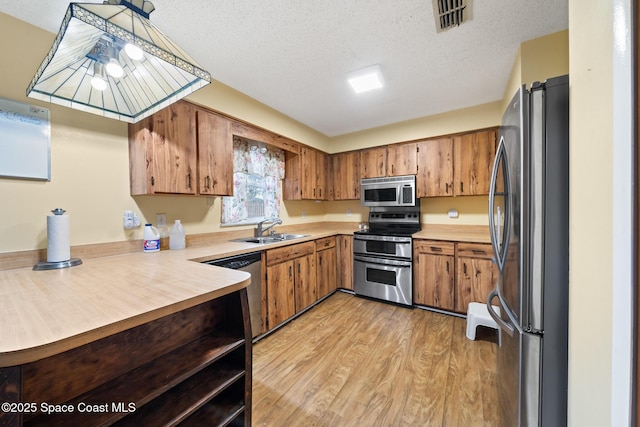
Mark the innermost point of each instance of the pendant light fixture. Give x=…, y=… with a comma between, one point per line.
x=109, y=59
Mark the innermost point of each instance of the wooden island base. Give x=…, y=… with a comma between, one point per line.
x=192, y=367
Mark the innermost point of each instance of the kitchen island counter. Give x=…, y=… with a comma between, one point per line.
x=44, y=313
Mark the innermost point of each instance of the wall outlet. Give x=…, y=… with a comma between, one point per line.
x=348, y=212
x=130, y=220
x=161, y=220
x=453, y=213
x=304, y=213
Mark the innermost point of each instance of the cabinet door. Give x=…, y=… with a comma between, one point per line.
x=308, y=173
x=215, y=154
x=402, y=159
x=323, y=176
x=162, y=151
x=434, y=277
x=346, y=175
x=476, y=278
x=305, y=282
x=373, y=162
x=473, y=160
x=344, y=246
x=435, y=168
x=280, y=293
x=327, y=271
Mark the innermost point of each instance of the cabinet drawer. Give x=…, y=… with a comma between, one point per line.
x=276, y=256
x=326, y=243
x=434, y=247
x=475, y=250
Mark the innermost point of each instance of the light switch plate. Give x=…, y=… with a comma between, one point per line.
x=161, y=220
x=453, y=213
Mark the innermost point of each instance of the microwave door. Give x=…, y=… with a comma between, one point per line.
x=379, y=195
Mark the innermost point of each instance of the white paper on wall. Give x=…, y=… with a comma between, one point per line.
x=25, y=141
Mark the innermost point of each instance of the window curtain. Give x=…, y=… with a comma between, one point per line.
x=257, y=183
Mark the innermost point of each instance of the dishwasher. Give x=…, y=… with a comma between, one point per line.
x=251, y=264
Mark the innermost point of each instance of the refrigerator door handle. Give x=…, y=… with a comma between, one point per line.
x=503, y=325
x=494, y=228
x=492, y=195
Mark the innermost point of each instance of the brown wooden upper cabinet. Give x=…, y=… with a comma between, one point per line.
x=181, y=149
x=435, y=168
x=215, y=154
x=473, y=155
x=391, y=160
x=346, y=175
x=456, y=166
x=307, y=175
x=163, y=152
x=402, y=159
x=373, y=162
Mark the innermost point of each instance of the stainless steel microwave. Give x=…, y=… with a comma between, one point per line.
x=393, y=191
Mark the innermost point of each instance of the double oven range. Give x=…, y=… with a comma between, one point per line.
x=383, y=254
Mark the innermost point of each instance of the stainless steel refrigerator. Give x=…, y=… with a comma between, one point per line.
x=529, y=223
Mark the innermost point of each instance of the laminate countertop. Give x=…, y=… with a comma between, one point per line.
x=47, y=312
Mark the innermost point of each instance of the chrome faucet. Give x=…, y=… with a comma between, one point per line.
x=259, y=231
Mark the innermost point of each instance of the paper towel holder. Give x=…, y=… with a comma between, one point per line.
x=47, y=265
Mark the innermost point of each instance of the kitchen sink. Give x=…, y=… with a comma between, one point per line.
x=273, y=238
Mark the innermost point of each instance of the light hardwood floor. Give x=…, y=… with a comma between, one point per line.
x=350, y=361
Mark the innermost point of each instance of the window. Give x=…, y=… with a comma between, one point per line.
x=257, y=183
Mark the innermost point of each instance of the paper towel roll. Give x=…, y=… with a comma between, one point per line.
x=58, y=247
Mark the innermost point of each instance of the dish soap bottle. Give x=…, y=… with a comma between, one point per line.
x=151, y=239
x=177, y=236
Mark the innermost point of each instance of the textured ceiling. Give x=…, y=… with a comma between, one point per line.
x=293, y=55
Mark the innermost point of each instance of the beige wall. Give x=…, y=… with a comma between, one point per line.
x=90, y=166
x=545, y=57
x=538, y=60
x=90, y=162
x=481, y=116
x=590, y=312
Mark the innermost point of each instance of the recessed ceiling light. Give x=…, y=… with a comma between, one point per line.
x=366, y=79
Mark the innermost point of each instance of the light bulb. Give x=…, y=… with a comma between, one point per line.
x=98, y=82
x=133, y=51
x=114, y=69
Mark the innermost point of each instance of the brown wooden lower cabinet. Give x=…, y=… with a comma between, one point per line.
x=476, y=274
x=192, y=367
x=290, y=281
x=450, y=275
x=326, y=266
x=299, y=275
x=344, y=249
x=434, y=264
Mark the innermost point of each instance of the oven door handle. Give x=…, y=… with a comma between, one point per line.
x=382, y=261
x=395, y=239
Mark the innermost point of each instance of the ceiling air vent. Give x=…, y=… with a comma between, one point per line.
x=450, y=13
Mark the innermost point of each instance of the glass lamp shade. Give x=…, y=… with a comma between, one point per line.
x=163, y=75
